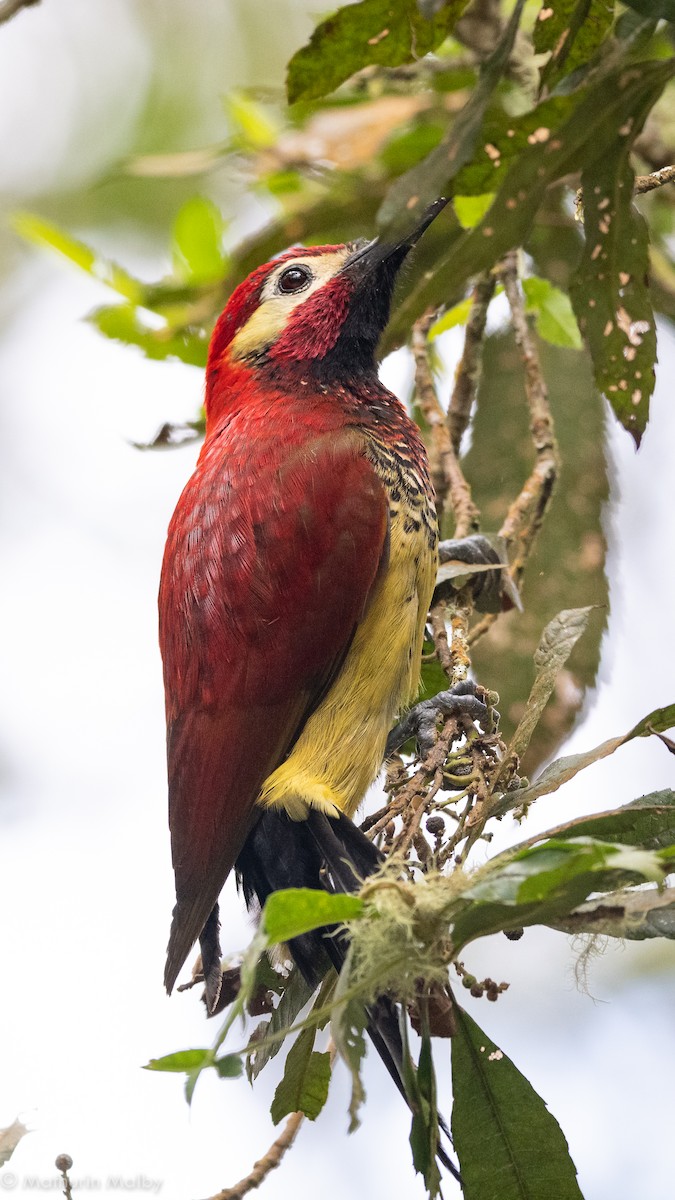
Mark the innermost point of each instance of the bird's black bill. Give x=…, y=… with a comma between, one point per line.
x=376, y=253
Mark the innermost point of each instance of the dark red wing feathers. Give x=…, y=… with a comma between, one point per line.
x=271, y=557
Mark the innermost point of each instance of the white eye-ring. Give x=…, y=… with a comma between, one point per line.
x=294, y=279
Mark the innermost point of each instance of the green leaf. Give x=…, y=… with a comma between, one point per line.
x=304, y=1087
x=658, y=721
x=609, y=289
x=348, y=1023
x=386, y=32
x=572, y=30
x=424, y=1130
x=457, y=315
x=538, y=885
x=420, y=1091
x=595, y=115
x=564, y=769
x=230, y=1066
x=648, y=822
x=253, y=126
x=471, y=209
x=434, y=678
x=42, y=233
x=410, y=194
x=503, y=139
x=295, y=911
x=404, y=150
x=197, y=241
x=655, y=9
x=554, y=316
x=510, y=1146
x=181, y=1060
x=295, y=996
x=122, y=323
x=557, y=642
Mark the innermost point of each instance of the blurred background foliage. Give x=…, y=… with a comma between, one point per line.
x=209, y=171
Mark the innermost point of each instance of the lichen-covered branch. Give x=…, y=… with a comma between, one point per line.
x=647, y=183
x=468, y=372
x=525, y=516
x=449, y=481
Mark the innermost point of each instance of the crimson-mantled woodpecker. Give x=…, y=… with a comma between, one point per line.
x=297, y=577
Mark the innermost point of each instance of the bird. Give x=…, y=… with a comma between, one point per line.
x=299, y=568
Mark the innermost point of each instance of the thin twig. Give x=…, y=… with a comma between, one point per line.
x=449, y=480
x=267, y=1163
x=415, y=797
x=647, y=183
x=641, y=184
x=526, y=514
x=481, y=628
x=468, y=372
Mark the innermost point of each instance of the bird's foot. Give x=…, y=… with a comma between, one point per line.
x=465, y=699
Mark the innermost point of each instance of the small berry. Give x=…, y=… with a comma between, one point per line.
x=435, y=825
x=514, y=935
x=63, y=1163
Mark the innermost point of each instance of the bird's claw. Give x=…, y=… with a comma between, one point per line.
x=464, y=699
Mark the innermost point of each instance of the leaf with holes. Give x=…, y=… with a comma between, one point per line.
x=296, y=994
x=304, y=1086
x=348, y=1024
x=609, y=290
x=413, y=191
x=504, y=137
x=599, y=113
x=385, y=32
x=572, y=30
x=510, y=1146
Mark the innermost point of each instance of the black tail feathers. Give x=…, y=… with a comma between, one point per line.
x=334, y=855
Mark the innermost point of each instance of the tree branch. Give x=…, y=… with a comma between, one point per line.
x=647, y=183
x=9, y=8
x=267, y=1163
x=525, y=516
x=449, y=479
x=467, y=377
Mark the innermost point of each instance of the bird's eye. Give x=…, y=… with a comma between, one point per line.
x=293, y=279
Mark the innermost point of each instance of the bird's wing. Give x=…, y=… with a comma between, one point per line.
x=269, y=567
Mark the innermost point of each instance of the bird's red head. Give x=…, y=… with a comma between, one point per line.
x=320, y=310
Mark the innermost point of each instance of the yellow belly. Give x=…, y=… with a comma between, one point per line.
x=340, y=749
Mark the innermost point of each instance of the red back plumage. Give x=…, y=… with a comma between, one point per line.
x=272, y=556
